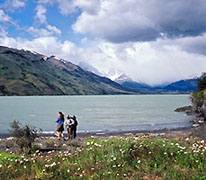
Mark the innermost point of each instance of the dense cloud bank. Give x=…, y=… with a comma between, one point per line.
x=154, y=41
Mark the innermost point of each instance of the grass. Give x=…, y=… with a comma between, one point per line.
x=113, y=158
x=4, y=156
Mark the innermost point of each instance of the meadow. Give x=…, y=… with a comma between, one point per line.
x=130, y=157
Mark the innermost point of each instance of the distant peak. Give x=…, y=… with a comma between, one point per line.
x=122, y=78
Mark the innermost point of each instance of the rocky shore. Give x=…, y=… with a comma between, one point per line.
x=197, y=117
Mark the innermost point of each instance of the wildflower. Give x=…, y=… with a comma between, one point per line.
x=24, y=167
x=97, y=145
x=139, y=161
x=68, y=170
x=53, y=164
x=88, y=143
x=0, y=165
x=50, y=165
x=182, y=147
x=165, y=153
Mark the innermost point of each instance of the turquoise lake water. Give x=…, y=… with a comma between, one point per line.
x=97, y=113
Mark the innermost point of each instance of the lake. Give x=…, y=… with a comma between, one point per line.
x=97, y=113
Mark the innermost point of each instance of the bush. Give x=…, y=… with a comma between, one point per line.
x=199, y=96
x=24, y=135
x=202, y=82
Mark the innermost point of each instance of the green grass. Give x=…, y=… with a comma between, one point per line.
x=115, y=158
x=4, y=157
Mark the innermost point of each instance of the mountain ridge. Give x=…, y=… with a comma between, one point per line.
x=181, y=86
x=23, y=72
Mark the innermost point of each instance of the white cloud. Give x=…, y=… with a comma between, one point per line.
x=4, y=17
x=195, y=44
x=54, y=29
x=137, y=20
x=158, y=41
x=14, y=4
x=44, y=45
x=91, y=6
x=47, y=31
x=152, y=62
x=45, y=1
x=3, y=33
x=67, y=7
x=41, y=14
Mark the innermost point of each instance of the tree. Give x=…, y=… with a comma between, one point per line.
x=202, y=82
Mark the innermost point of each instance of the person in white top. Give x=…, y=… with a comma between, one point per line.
x=69, y=124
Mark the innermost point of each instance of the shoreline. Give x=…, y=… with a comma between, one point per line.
x=113, y=133
x=130, y=94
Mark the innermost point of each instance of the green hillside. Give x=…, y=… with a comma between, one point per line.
x=26, y=73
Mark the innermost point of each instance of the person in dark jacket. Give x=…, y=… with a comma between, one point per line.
x=60, y=125
x=75, y=126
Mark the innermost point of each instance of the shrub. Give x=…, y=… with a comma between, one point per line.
x=24, y=135
x=202, y=82
x=199, y=96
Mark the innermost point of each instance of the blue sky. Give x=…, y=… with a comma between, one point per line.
x=25, y=17
x=154, y=42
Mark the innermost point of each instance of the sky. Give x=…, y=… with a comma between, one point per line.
x=153, y=41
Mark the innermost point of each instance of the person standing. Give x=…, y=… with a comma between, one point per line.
x=60, y=125
x=69, y=124
x=75, y=126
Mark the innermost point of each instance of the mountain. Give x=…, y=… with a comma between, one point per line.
x=182, y=86
x=122, y=78
x=24, y=72
x=185, y=86
x=131, y=85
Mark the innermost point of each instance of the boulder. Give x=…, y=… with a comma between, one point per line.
x=187, y=109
